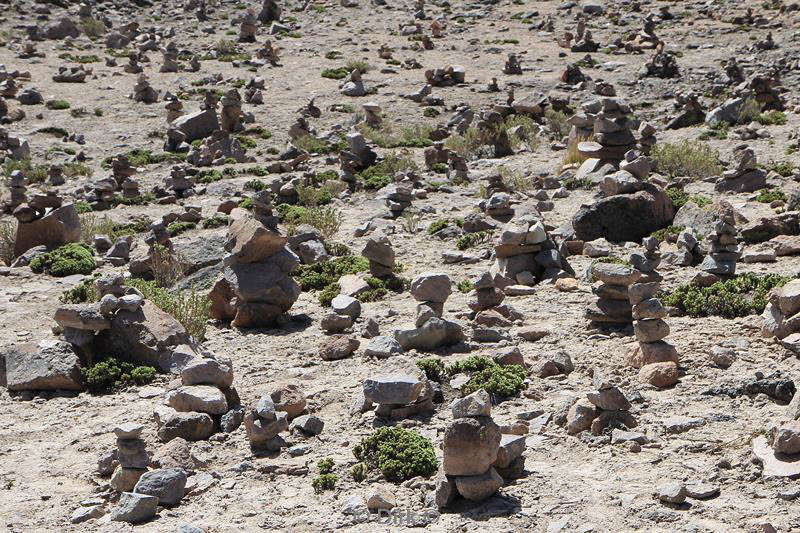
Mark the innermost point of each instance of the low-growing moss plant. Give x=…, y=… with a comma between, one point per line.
x=83, y=292
x=217, y=221
x=433, y=367
x=67, y=260
x=767, y=196
x=324, y=276
x=500, y=380
x=398, y=453
x=468, y=240
x=326, y=479
x=359, y=472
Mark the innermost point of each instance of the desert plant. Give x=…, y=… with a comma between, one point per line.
x=557, y=122
x=67, y=260
x=83, y=292
x=167, y=266
x=312, y=197
x=409, y=221
x=670, y=233
x=8, y=235
x=465, y=286
x=398, y=453
x=468, y=240
x=217, y=221
x=686, y=158
x=767, y=196
x=187, y=307
x=500, y=380
x=92, y=27
x=743, y=295
x=177, y=227
x=514, y=180
x=359, y=472
x=433, y=367
x=57, y=105
x=573, y=156
x=110, y=373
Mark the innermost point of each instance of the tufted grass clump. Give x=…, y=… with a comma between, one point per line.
x=57, y=105
x=67, y=260
x=746, y=294
x=8, y=235
x=670, y=233
x=686, y=158
x=217, y=221
x=111, y=373
x=187, y=307
x=398, y=453
x=504, y=381
x=176, y=228
x=327, y=220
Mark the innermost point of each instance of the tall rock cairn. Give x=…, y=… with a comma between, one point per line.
x=612, y=282
x=132, y=457
x=721, y=260
x=657, y=358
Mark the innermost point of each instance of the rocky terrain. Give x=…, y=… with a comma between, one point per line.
x=371, y=266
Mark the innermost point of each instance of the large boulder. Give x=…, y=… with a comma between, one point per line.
x=701, y=219
x=250, y=241
x=625, y=217
x=49, y=366
x=146, y=336
x=59, y=226
x=198, y=125
x=167, y=484
x=435, y=332
x=470, y=446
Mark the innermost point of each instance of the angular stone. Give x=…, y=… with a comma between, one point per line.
x=134, y=508
x=470, y=446
x=207, y=371
x=610, y=399
x=479, y=487
x=199, y=398
x=511, y=447
x=382, y=347
x=338, y=347
x=167, y=484
x=659, y=374
x=52, y=365
x=393, y=389
x=431, y=287
x=476, y=404
x=650, y=330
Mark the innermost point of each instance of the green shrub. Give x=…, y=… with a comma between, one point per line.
x=176, y=228
x=323, y=276
x=500, y=380
x=255, y=185
x=670, y=233
x=325, y=466
x=327, y=220
x=433, y=368
x=217, y=221
x=380, y=288
x=83, y=292
x=398, y=453
x=112, y=373
x=766, y=196
x=187, y=307
x=92, y=27
x=465, y=286
x=374, y=178
x=743, y=295
x=468, y=240
x=70, y=259
x=311, y=197
x=313, y=145
x=57, y=105
x=142, y=199
x=438, y=225
x=324, y=482
x=83, y=207
x=679, y=197
x=771, y=118
x=246, y=203
x=686, y=158
x=784, y=168
x=8, y=235
x=359, y=472
x=387, y=136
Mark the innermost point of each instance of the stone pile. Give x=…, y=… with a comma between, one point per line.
x=688, y=252
x=179, y=182
x=399, y=395
x=216, y=149
x=779, y=450
x=656, y=359
x=270, y=12
x=765, y=89
x=608, y=121
x=256, y=288
x=353, y=85
x=603, y=408
x=231, y=112
x=205, y=401
x=13, y=147
x=133, y=66
x=662, y=65
x=356, y=158
x=17, y=190
x=143, y=92
x=174, y=107
x=264, y=423
x=269, y=53
x=38, y=226
x=720, y=263
x=131, y=456
x=445, y=77
x=372, y=114
x=248, y=27
x=477, y=456
x=526, y=255
x=580, y=41
x=169, y=57
x=782, y=316
x=380, y=254
x=688, y=111
x=612, y=283
x=745, y=176
x=398, y=197
x=71, y=74
x=512, y=65
x=646, y=39
x=253, y=94
x=431, y=290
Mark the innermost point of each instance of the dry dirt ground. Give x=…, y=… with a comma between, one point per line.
x=49, y=446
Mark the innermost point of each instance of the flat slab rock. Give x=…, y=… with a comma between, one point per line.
x=779, y=465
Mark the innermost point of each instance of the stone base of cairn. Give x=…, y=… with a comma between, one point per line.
x=782, y=316
x=380, y=254
x=263, y=425
x=606, y=407
x=476, y=453
x=131, y=456
x=612, y=282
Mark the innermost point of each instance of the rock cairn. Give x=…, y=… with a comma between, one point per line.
x=661, y=65
x=169, y=58
x=610, y=126
x=526, y=254
x=745, y=176
x=174, y=107
x=611, y=287
x=256, y=288
x=649, y=326
x=380, y=254
x=143, y=92
x=231, y=113
x=216, y=149
x=474, y=450
x=205, y=401
x=400, y=394
x=17, y=190
x=248, y=27
x=606, y=406
x=131, y=455
x=356, y=158
x=688, y=111
x=263, y=425
x=646, y=39
x=512, y=65
x=372, y=114
x=431, y=290
x=179, y=182
x=269, y=53
x=721, y=259
x=445, y=77
x=782, y=316
x=398, y=198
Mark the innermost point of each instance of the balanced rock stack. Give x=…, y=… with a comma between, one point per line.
x=205, y=401
x=398, y=197
x=401, y=390
x=248, y=27
x=526, y=255
x=17, y=190
x=131, y=456
x=431, y=289
x=169, y=56
x=256, y=288
x=380, y=254
x=745, y=176
x=143, y=92
x=782, y=316
x=471, y=447
x=605, y=407
x=721, y=259
x=357, y=157
x=656, y=359
x=263, y=425
x=612, y=290
x=611, y=129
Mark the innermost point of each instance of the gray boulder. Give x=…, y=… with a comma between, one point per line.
x=167, y=484
x=49, y=366
x=134, y=508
